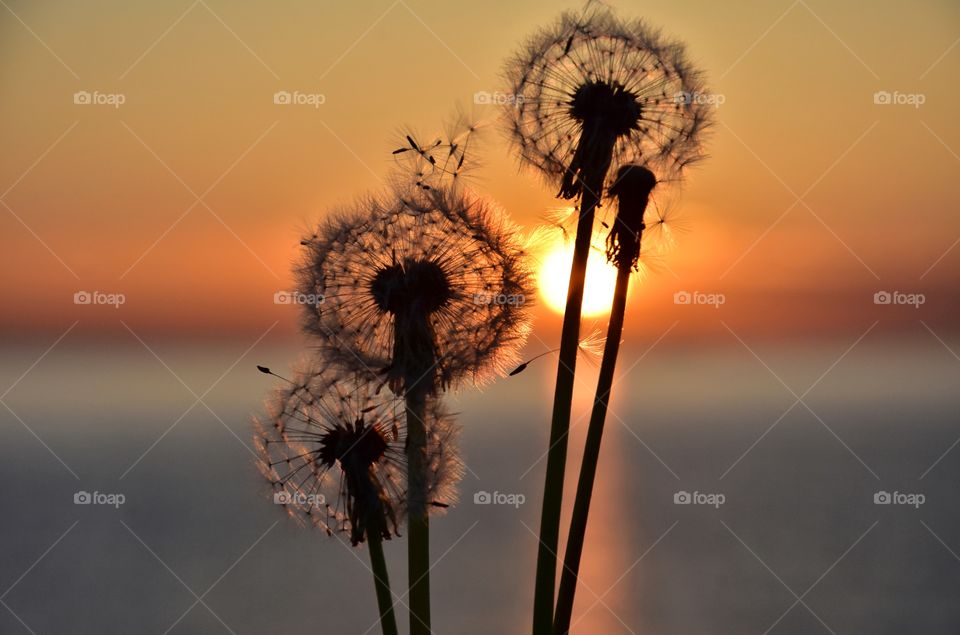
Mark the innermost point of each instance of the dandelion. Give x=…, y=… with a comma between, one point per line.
x=332, y=447
x=430, y=289
x=632, y=190
x=594, y=93
x=333, y=450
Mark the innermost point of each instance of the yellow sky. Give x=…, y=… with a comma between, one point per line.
x=815, y=196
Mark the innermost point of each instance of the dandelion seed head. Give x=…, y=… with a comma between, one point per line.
x=428, y=287
x=594, y=92
x=332, y=447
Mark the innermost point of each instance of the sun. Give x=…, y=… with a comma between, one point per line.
x=554, y=277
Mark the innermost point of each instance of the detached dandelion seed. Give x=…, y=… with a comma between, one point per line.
x=445, y=159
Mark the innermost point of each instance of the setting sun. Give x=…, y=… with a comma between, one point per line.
x=554, y=278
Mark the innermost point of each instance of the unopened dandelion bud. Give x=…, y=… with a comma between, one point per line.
x=632, y=190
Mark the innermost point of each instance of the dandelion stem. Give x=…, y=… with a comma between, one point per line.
x=560, y=423
x=632, y=190
x=418, y=538
x=381, y=582
x=591, y=454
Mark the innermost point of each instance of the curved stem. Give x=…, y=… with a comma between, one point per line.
x=560, y=423
x=591, y=455
x=381, y=582
x=418, y=525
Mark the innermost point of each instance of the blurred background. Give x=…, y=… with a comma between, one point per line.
x=795, y=359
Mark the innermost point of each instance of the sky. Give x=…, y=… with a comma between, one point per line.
x=184, y=191
x=190, y=196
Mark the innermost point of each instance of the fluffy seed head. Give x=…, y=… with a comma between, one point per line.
x=429, y=287
x=594, y=92
x=333, y=449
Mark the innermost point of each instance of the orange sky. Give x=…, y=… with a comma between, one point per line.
x=102, y=198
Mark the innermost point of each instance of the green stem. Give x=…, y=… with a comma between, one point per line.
x=591, y=455
x=560, y=423
x=418, y=526
x=381, y=582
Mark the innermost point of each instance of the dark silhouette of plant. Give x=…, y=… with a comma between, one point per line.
x=428, y=286
x=632, y=190
x=595, y=92
x=590, y=93
x=333, y=450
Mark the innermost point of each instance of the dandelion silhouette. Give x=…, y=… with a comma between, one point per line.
x=632, y=189
x=333, y=449
x=430, y=287
x=593, y=93
x=332, y=436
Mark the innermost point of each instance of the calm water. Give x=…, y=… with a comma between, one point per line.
x=797, y=545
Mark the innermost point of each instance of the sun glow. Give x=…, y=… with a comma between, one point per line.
x=554, y=276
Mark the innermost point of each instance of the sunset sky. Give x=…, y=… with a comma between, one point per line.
x=144, y=159
x=190, y=197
